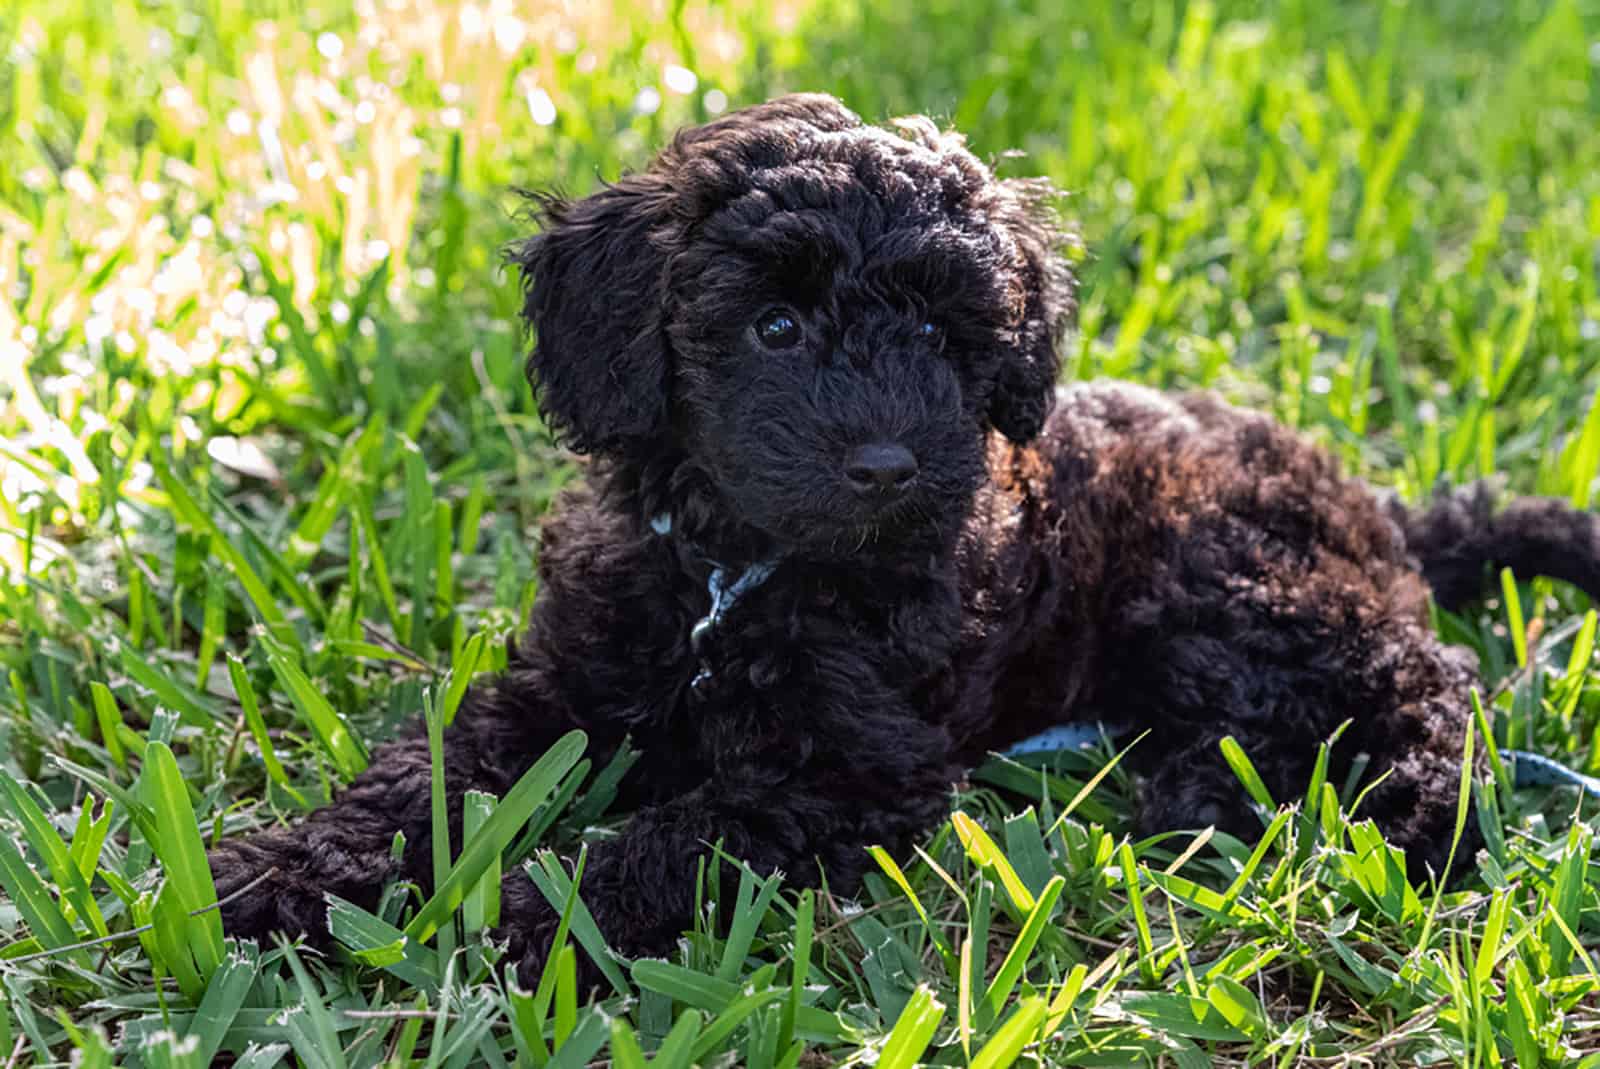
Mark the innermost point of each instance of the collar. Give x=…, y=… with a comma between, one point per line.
x=725, y=588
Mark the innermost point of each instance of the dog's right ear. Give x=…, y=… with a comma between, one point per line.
x=1025, y=390
x=593, y=281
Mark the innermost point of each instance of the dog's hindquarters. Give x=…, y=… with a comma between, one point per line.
x=1249, y=589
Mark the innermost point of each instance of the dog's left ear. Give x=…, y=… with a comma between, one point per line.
x=1025, y=389
x=593, y=279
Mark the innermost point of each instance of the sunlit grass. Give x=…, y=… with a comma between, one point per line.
x=270, y=480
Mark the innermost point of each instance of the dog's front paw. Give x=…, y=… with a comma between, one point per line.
x=529, y=924
x=263, y=890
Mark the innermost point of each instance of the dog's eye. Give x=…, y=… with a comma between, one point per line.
x=928, y=330
x=778, y=329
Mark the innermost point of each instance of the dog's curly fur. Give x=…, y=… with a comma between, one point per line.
x=1104, y=552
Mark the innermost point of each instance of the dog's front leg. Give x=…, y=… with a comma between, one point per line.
x=347, y=848
x=804, y=806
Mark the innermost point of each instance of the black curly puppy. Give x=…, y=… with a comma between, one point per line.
x=834, y=545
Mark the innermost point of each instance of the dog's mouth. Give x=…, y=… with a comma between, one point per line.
x=909, y=523
x=836, y=504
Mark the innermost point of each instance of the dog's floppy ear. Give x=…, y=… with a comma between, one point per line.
x=1025, y=388
x=593, y=280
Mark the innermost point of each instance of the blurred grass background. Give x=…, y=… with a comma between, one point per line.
x=268, y=464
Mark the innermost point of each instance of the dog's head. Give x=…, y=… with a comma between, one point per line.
x=823, y=318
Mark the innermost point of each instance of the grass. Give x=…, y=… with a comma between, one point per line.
x=270, y=478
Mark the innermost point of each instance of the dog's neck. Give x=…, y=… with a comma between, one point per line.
x=726, y=587
x=712, y=546
x=674, y=500
x=676, y=508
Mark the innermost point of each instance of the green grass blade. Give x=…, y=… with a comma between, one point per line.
x=1019, y=1030
x=912, y=1032
x=183, y=855
x=625, y=1050
x=90, y=835
x=725, y=1023
x=109, y=718
x=224, y=996
x=887, y=863
x=750, y=908
x=987, y=855
x=47, y=844
x=461, y=673
x=800, y=968
x=1130, y=882
x=496, y=834
x=1242, y=767
x=376, y=943
x=481, y=910
x=557, y=887
x=585, y=1041
x=1016, y=959
x=676, y=1051
x=342, y=746
x=310, y=1023
x=1514, y=619
x=246, y=693
x=31, y=898
x=684, y=985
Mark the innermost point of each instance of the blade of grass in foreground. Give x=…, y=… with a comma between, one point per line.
x=1017, y=959
x=481, y=910
x=987, y=855
x=561, y=891
x=754, y=897
x=881, y=856
x=497, y=832
x=183, y=856
x=625, y=1050
x=913, y=1031
x=380, y=945
x=1016, y=1033
x=310, y=1023
x=225, y=995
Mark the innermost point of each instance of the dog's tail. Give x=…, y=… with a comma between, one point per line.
x=1465, y=536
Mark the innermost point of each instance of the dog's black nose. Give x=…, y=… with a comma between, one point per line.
x=880, y=468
